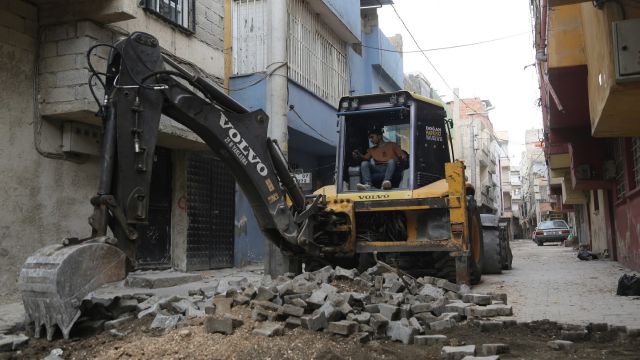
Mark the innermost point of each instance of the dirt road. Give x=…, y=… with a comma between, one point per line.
x=550, y=282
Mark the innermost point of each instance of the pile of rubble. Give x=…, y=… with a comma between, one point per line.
x=376, y=304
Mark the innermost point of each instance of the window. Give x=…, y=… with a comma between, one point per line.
x=177, y=12
x=635, y=146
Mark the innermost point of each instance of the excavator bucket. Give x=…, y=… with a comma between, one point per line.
x=56, y=278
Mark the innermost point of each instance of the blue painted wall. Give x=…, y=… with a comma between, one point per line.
x=348, y=11
x=311, y=146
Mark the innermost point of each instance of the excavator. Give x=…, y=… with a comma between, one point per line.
x=427, y=222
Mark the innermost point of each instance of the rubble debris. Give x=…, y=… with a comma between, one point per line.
x=166, y=322
x=562, y=345
x=429, y=339
x=457, y=352
x=214, y=325
x=12, y=342
x=343, y=327
x=55, y=354
x=269, y=329
x=494, y=349
x=159, y=279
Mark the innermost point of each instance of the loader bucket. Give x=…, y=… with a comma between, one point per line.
x=55, y=279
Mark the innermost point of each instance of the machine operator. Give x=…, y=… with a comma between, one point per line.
x=386, y=157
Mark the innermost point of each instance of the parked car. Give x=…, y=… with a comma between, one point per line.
x=551, y=231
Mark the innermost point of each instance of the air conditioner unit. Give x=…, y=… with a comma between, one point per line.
x=626, y=49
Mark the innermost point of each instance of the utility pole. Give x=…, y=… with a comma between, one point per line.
x=277, y=263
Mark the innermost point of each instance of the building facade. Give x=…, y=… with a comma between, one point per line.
x=474, y=141
x=587, y=61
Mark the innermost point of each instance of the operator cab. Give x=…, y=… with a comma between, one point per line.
x=415, y=123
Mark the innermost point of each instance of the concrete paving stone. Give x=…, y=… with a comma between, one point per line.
x=260, y=314
x=478, y=299
x=432, y=291
x=389, y=311
x=379, y=323
x=214, y=325
x=223, y=305
x=298, y=302
x=182, y=306
x=396, y=286
x=378, y=282
x=285, y=288
x=293, y=322
x=241, y=300
x=457, y=307
x=450, y=295
x=490, y=325
x=401, y=331
x=362, y=318
x=437, y=306
x=324, y=275
x=502, y=310
x=210, y=310
x=491, y=357
x=389, y=279
x=165, y=321
x=265, y=294
x=494, y=349
x=444, y=284
x=426, y=318
x=267, y=305
x=317, y=298
x=365, y=328
x=235, y=321
x=464, y=289
x=13, y=342
x=292, y=310
x=150, y=311
x=363, y=337
x=112, y=324
x=162, y=279
x=457, y=352
x=194, y=312
x=429, y=339
x=480, y=311
x=416, y=325
x=238, y=284
x=342, y=273
x=343, y=327
x=301, y=286
x=330, y=311
x=450, y=316
x=418, y=308
x=316, y=321
x=250, y=292
x=574, y=335
x=440, y=325
x=562, y=345
x=269, y=329
x=147, y=303
x=498, y=297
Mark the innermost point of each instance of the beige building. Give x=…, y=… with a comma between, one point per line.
x=50, y=135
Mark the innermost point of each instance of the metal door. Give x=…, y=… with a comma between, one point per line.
x=211, y=210
x=154, y=244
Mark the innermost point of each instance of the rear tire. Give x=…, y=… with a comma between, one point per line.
x=492, y=259
x=476, y=244
x=539, y=243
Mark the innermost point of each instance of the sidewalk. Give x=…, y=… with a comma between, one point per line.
x=550, y=282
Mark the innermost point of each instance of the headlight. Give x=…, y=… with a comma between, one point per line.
x=393, y=100
x=354, y=104
x=345, y=104
x=402, y=99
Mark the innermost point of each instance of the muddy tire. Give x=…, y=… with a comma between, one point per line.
x=476, y=243
x=493, y=257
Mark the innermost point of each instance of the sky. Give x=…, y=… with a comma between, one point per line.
x=492, y=71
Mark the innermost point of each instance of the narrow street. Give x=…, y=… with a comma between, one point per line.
x=550, y=282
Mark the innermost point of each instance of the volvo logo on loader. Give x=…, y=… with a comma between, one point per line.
x=374, y=196
x=240, y=147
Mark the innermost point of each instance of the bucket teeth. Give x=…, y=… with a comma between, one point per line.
x=55, y=279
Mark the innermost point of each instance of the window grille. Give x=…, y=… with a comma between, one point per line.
x=619, y=159
x=635, y=145
x=177, y=12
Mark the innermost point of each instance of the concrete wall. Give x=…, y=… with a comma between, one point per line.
x=627, y=230
x=43, y=199
x=348, y=11
x=597, y=216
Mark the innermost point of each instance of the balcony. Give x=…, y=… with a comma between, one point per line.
x=101, y=11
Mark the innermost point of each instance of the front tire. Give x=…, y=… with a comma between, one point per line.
x=475, y=241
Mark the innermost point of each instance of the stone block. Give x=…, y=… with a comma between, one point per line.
x=316, y=321
x=293, y=322
x=269, y=329
x=418, y=308
x=429, y=339
x=363, y=337
x=362, y=318
x=223, y=305
x=502, y=310
x=416, y=325
x=152, y=310
x=265, y=294
x=457, y=308
x=267, y=305
x=292, y=310
x=113, y=324
x=426, y=318
x=440, y=325
x=597, y=327
x=342, y=273
x=324, y=275
x=317, y=298
x=240, y=299
x=498, y=297
x=13, y=342
x=491, y=357
x=490, y=326
x=298, y=302
x=390, y=312
x=480, y=311
x=379, y=323
x=401, y=331
x=432, y=291
x=343, y=327
x=457, y=352
x=562, y=345
x=574, y=335
x=478, y=299
x=494, y=349
x=166, y=322
x=444, y=284
x=217, y=325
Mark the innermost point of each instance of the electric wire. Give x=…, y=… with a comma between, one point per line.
x=447, y=47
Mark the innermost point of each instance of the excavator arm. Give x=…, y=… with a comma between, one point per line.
x=141, y=85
